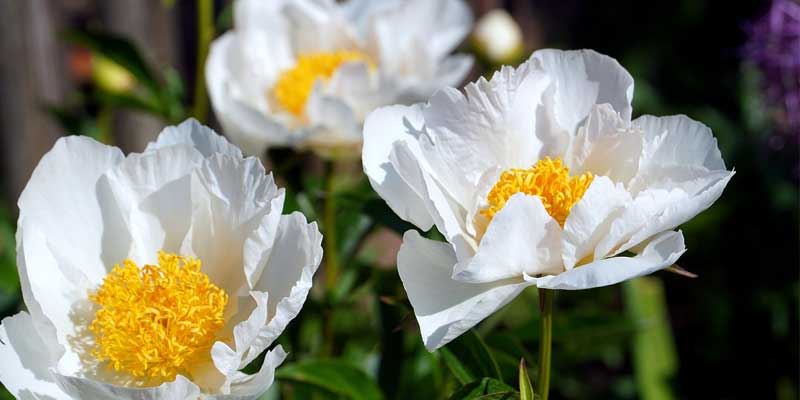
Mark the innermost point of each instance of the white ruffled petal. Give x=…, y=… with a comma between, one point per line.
x=331, y=118
x=245, y=116
x=82, y=388
x=289, y=272
x=318, y=26
x=152, y=197
x=584, y=78
x=230, y=198
x=25, y=370
x=677, y=140
x=662, y=251
x=62, y=197
x=382, y=129
x=250, y=387
x=606, y=145
x=196, y=135
x=662, y=207
x=256, y=14
x=521, y=239
x=279, y=293
x=448, y=215
x=590, y=219
x=494, y=124
x=446, y=308
x=437, y=25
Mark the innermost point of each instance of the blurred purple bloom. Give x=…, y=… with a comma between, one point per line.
x=774, y=45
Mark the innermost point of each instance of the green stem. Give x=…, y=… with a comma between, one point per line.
x=545, y=342
x=331, y=256
x=205, y=33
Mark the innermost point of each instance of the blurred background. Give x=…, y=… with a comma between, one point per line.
x=730, y=333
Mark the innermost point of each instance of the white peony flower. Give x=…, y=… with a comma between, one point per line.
x=537, y=177
x=220, y=272
x=307, y=72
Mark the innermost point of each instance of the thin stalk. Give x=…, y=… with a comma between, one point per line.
x=205, y=33
x=331, y=257
x=329, y=215
x=545, y=342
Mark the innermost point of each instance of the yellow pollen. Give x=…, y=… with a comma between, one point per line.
x=156, y=321
x=548, y=179
x=295, y=85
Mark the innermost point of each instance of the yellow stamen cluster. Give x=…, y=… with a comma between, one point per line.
x=295, y=85
x=156, y=321
x=549, y=179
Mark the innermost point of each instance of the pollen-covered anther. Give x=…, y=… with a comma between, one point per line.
x=156, y=321
x=295, y=84
x=548, y=179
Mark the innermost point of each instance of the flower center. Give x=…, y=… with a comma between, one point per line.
x=295, y=85
x=155, y=321
x=549, y=179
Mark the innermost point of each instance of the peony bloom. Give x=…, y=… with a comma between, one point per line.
x=537, y=177
x=306, y=73
x=154, y=276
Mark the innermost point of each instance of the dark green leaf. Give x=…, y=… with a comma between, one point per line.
x=485, y=389
x=469, y=358
x=119, y=50
x=333, y=377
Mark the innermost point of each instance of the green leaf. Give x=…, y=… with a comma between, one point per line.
x=485, y=389
x=119, y=50
x=525, y=387
x=333, y=377
x=469, y=358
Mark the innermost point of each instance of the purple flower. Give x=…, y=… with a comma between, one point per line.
x=774, y=46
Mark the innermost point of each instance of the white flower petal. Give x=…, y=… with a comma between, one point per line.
x=521, y=239
x=492, y=125
x=318, y=26
x=288, y=274
x=250, y=387
x=331, y=118
x=677, y=140
x=82, y=388
x=448, y=215
x=584, y=78
x=228, y=360
x=591, y=217
x=61, y=198
x=663, y=251
x=230, y=198
x=440, y=25
x=446, y=308
x=196, y=135
x=279, y=292
x=152, y=196
x=382, y=128
x=662, y=208
x=680, y=174
x=606, y=145
x=245, y=120
x=26, y=361
x=357, y=86
x=256, y=14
